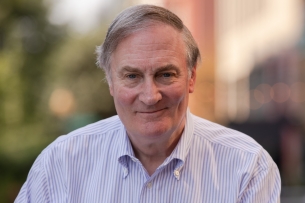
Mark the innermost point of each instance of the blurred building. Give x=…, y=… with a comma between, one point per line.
x=200, y=17
x=252, y=73
x=250, y=33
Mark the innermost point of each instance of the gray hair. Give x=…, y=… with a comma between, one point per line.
x=139, y=17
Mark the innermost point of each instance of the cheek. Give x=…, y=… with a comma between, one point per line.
x=124, y=97
x=176, y=94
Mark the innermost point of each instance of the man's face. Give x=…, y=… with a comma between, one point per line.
x=150, y=83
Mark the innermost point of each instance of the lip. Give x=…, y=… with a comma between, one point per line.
x=151, y=111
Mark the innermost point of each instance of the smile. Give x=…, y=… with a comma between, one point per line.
x=151, y=112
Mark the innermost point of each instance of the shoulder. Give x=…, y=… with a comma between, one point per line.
x=228, y=140
x=221, y=135
x=97, y=131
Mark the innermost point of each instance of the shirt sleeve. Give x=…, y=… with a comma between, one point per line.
x=35, y=189
x=264, y=187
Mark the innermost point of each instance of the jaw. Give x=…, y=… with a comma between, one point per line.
x=158, y=125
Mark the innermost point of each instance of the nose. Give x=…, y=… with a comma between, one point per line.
x=150, y=93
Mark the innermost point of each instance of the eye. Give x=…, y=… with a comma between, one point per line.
x=166, y=75
x=131, y=76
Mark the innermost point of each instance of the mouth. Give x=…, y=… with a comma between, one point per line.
x=151, y=111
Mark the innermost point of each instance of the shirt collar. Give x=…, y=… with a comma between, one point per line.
x=125, y=151
x=182, y=149
x=124, y=143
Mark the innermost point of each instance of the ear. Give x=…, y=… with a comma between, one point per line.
x=192, y=80
x=109, y=82
x=111, y=89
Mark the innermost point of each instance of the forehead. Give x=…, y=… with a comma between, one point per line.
x=158, y=43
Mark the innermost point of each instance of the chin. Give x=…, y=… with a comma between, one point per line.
x=156, y=130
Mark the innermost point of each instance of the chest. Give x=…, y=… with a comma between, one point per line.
x=192, y=186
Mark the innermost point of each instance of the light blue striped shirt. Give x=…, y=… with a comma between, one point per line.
x=96, y=163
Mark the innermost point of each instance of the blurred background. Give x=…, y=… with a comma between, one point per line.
x=251, y=78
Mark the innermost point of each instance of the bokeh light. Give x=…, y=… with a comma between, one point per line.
x=264, y=96
x=256, y=99
x=62, y=102
x=297, y=92
x=280, y=92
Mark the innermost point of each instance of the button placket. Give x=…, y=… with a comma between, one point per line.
x=149, y=185
x=177, y=174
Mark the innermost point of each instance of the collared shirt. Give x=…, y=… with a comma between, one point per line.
x=96, y=163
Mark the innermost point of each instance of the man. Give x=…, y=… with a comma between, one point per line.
x=155, y=150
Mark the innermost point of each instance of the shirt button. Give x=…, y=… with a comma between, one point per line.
x=149, y=185
x=176, y=173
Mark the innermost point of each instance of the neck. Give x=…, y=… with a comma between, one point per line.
x=152, y=153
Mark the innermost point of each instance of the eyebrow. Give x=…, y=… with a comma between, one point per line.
x=168, y=67
x=159, y=69
x=129, y=69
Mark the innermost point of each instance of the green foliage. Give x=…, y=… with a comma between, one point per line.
x=36, y=58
